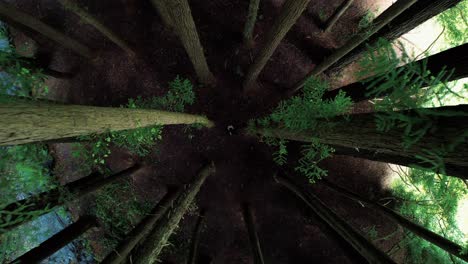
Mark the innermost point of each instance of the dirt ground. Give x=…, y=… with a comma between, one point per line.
x=244, y=165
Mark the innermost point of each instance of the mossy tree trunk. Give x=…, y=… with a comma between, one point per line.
x=25, y=210
x=347, y=232
x=193, y=254
x=149, y=251
x=447, y=125
x=58, y=241
x=290, y=12
x=250, y=23
x=26, y=121
x=385, y=18
x=418, y=230
x=139, y=233
x=337, y=15
x=414, y=16
x=187, y=32
x=453, y=59
x=161, y=7
x=16, y=17
x=85, y=16
x=253, y=235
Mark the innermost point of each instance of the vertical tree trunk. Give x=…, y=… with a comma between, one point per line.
x=57, y=241
x=347, y=232
x=418, y=230
x=138, y=234
x=250, y=23
x=290, y=12
x=193, y=254
x=453, y=59
x=25, y=210
x=253, y=236
x=85, y=16
x=150, y=250
x=26, y=121
x=360, y=132
x=417, y=14
x=160, y=6
x=337, y=15
x=385, y=18
x=187, y=32
x=12, y=15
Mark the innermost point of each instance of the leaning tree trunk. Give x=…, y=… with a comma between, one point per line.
x=193, y=254
x=25, y=210
x=290, y=12
x=150, y=250
x=85, y=16
x=250, y=23
x=418, y=230
x=453, y=60
x=57, y=241
x=31, y=121
x=448, y=124
x=253, y=235
x=347, y=232
x=160, y=6
x=417, y=14
x=337, y=15
x=139, y=233
x=187, y=32
x=16, y=17
x=385, y=18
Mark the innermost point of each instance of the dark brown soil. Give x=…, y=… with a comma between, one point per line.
x=244, y=165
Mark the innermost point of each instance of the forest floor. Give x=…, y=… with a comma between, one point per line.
x=244, y=165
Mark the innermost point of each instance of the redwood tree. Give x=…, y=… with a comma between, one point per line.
x=337, y=15
x=250, y=23
x=253, y=235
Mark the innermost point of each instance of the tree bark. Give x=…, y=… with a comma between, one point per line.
x=138, y=234
x=160, y=6
x=150, y=250
x=253, y=235
x=452, y=59
x=25, y=210
x=250, y=23
x=187, y=32
x=58, y=241
x=417, y=229
x=31, y=121
x=359, y=132
x=385, y=18
x=290, y=12
x=85, y=16
x=417, y=14
x=347, y=232
x=337, y=15
x=193, y=254
x=12, y=15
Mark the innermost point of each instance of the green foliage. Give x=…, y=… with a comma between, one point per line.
x=455, y=23
x=366, y=20
x=302, y=113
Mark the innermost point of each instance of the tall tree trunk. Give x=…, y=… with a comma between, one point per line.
x=290, y=12
x=138, y=234
x=187, y=32
x=12, y=15
x=253, y=236
x=26, y=121
x=337, y=15
x=150, y=250
x=250, y=23
x=160, y=6
x=360, y=132
x=418, y=230
x=453, y=59
x=85, y=16
x=417, y=14
x=385, y=18
x=25, y=210
x=193, y=254
x=58, y=241
x=347, y=232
